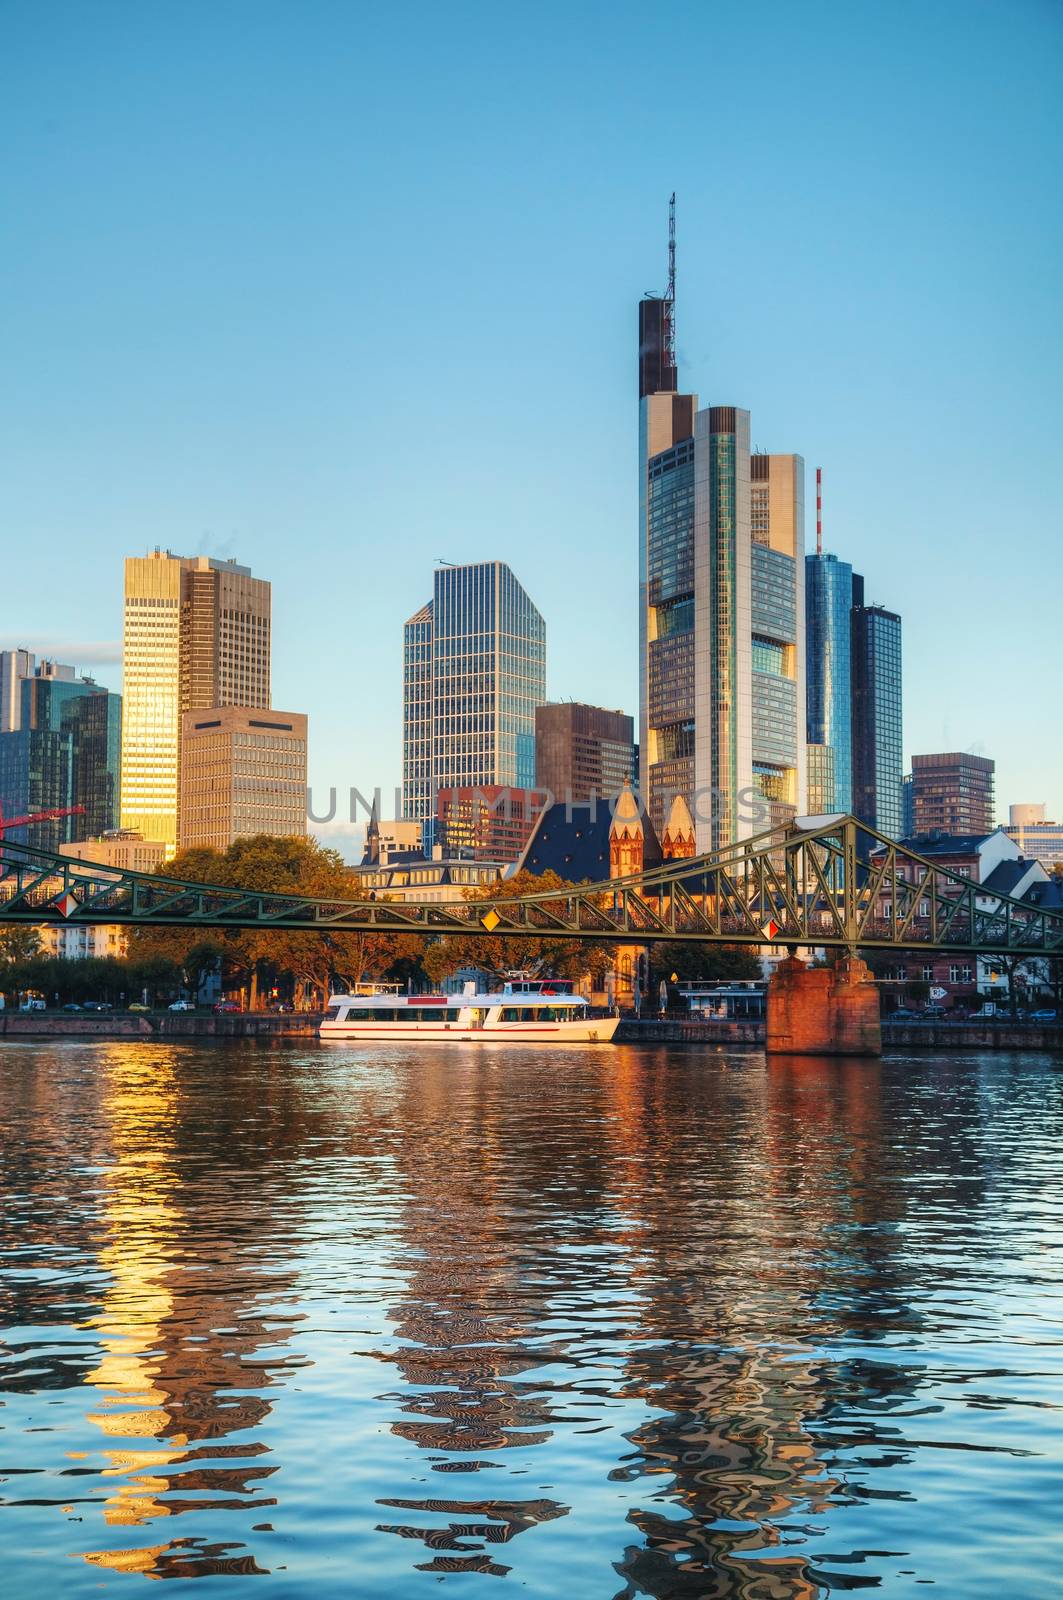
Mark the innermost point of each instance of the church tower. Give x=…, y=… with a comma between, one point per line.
x=627, y=837
x=678, y=841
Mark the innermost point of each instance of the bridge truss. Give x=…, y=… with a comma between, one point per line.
x=827, y=882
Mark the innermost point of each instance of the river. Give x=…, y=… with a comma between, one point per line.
x=587, y=1323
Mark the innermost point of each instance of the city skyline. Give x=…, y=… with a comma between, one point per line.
x=883, y=345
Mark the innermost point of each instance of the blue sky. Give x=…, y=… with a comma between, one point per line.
x=341, y=290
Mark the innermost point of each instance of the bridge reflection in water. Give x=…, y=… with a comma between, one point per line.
x=624, y=1324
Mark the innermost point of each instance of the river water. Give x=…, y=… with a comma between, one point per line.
x=593, y=1323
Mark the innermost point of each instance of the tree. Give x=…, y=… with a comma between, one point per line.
x=694, y=962
x=19, y=942
x=536, y=954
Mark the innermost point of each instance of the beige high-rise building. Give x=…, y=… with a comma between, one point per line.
x=242, y=772
x=197, y=634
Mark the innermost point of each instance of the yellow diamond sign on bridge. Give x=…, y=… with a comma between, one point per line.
x=490, y=920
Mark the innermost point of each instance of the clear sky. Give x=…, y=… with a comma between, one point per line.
x=339, y=290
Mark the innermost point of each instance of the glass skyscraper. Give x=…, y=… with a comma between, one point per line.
x=876, y=714
x=474, y=670
x=721, y=622
x=828, y=636
x=65, y=752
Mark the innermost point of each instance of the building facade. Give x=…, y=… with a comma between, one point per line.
x=243, y=772
x=474, y=670
x=490, y=823
x=63, y=753
x=721, y=621
x=952, y=792
x=583, y=751
x=821, y=790
x=121, y=848
x=14, y=666
x=828, y=647
x=876, y=715
x=1034, y=835
x=196, y=635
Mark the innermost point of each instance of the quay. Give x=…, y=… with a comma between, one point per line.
x=1001, y=1035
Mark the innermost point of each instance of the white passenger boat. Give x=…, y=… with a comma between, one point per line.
x=521, y=1013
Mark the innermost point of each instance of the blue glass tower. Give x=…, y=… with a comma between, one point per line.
x=876, y=680
x=828, y=603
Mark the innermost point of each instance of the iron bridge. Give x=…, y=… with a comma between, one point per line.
x=826, y=881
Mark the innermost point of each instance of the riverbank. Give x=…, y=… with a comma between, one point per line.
x=304, y=1024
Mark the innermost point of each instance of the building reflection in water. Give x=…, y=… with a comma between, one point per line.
x=757, y=1252
x=466, y=1364
x=179, y=1336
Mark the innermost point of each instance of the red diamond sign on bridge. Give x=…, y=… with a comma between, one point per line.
x=68, y=904
x=771, y=928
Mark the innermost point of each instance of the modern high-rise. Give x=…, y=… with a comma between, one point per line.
x=62, y=753
x=1035, y=835
x=243, y=772
x=952, y=792
x=828, y=650
x=14, y=666
x=197, y=635
x=583, y=751
x=474, y=670
x=876, y=714
x=721, y=608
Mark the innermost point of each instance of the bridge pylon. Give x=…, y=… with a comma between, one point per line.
x=823, y=1011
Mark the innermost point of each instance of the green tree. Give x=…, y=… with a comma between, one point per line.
x=694, y=962
x=18, y=942
x=536, y=954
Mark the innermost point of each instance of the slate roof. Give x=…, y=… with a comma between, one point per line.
x=570, y=841
x=1007, y=875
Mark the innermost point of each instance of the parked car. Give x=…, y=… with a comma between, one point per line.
x=136, y=1006
x=934, y=1013
x=1043, y=1016
x=33, y=1005
x=96, y=1005
x=182, y=1005
x=72, y=1005
x=228, y=1005
x=903, y=1014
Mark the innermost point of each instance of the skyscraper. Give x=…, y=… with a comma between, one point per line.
x=876, y=714
x=63, y=751
x=828, y=645
x=14, y=666
x=952, y=792
x=721, y=606
x=474, y=670
x=197, y=634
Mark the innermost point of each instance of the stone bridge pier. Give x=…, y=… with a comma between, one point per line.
x=823, y=1011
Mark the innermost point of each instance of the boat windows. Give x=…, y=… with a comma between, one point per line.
x=332, y=1013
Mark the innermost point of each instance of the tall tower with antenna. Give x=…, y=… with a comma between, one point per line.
x=658, y=373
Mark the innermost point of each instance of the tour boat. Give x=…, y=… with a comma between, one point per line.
x=521, y=1013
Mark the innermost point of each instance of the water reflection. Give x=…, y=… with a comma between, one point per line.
x=624, y=1323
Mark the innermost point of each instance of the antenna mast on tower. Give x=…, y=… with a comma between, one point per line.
x=819, y=511
x=669, y=319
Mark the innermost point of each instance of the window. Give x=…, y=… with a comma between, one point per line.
x=928, y=974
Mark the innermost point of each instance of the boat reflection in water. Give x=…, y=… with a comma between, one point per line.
x=638, y=1322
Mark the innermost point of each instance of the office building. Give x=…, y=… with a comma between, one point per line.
x=197, y=635
x=474, y=670
x=1034, y=835
x=487, y=823
x=821, y=790
x=243, y=772
x=876, y=713
x=721, y=608
x=121, y=848
x=828, y=646
x=583, y=751
x=14, y=666
x=390, y=841
x=952, y=792
x=63, y=754
x=36, y=774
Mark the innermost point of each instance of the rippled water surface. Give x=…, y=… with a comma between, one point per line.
x=595, y=1323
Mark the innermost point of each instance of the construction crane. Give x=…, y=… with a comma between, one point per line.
x=54, y=814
